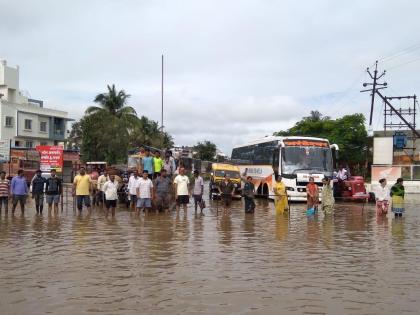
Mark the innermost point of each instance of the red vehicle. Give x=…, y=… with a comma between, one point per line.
x=353, y=189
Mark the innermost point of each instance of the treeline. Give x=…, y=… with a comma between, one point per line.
x=107, y=131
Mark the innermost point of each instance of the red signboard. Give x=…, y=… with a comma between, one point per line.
x=51, y=157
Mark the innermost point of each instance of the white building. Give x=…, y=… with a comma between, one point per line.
x=23, y=120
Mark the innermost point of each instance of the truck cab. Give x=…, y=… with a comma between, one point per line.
x=217, y=175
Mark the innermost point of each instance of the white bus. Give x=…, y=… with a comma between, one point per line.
x=294, y=158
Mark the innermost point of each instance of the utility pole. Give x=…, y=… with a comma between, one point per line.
x=161, y=126
x=375, y=83
x=392, y=110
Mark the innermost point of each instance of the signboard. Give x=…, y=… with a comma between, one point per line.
x=4, y=151
x=383, y=150
x=388, y=172
x=306, y=143
x=51, y=157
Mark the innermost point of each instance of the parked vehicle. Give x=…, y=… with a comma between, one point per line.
x=218, y=172
x=353, y=189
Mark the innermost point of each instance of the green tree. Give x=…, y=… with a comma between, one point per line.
x=109, y=130
x=74, y=140
x=205, y=150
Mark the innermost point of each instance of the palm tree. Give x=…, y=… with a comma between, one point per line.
x=113, y=103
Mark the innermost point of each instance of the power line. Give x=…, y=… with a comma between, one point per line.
x=404, y=63
x=400, y=53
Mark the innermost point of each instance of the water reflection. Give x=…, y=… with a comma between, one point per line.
x=350, y=262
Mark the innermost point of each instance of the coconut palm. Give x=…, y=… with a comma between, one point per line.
x=113, y=103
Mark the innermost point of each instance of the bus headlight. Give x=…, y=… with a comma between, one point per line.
x=290, y=188
x=235, y=185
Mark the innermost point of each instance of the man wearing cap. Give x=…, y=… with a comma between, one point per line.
x=38, y=183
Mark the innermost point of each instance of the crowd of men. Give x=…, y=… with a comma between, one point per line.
x=161, y=192
x=160, y=186
x=17, y=190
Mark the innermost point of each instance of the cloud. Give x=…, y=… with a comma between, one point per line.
x=234, y=70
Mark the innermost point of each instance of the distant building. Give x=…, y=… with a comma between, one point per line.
x=24, y=120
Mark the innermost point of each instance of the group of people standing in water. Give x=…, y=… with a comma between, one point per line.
x=281, y=200
x=384, y=196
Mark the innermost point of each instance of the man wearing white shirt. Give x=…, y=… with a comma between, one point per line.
x=382, y=196
x=110, y=190
x=132, y=188
x=144, y=193
x=101, y=182
x=182, y=193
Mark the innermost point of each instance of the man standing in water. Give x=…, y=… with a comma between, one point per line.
x=38, y=183
x=226, y=189
x=162, y=188
x=182, y=195
x=100, y=186
x=110, y=190
x=81, y=189
x=198, y=191
x=132, y=188
x=19, y=190
x=144, y=193
x=4, y=192
x=249, y=195
x=53, y=190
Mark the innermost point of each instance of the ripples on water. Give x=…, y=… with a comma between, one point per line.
x=351, y=263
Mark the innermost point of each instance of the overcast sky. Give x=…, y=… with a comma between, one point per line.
x=234, y=70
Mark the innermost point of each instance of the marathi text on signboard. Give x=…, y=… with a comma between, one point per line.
x=51, y=157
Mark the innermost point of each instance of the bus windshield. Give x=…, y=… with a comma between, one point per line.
x=232, y=174
x=306, y=159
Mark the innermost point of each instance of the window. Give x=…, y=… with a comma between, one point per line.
x=257, y=154
x=28, y=124
x=17, y=143
x=9, y=121
x=43, y=126
x=29, y=144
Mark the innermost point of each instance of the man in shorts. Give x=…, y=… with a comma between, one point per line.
x=53, y=190
x=198, y=191
x=144, y=193
x=226, y=189
x=162, y=188
x=110, y=190
x=19, y=190
x=82, y=186
x=182, y=195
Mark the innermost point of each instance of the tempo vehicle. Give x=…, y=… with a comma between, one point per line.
x=218, y=172
x=294, y=158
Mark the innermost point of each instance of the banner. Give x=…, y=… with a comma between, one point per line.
x=4, y=151
x=51, y=157
x=388, y=172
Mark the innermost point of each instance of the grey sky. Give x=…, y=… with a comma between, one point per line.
x=235, y=70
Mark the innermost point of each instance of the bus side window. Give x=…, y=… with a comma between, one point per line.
x=276, y=160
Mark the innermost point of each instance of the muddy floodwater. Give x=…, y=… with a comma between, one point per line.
x=351, y=263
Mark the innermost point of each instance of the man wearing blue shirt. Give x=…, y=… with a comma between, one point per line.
x=19, y=190
x=148, y=164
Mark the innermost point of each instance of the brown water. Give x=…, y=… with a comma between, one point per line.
x=242, y=264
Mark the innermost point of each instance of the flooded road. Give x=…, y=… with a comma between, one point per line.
x=351, y=263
